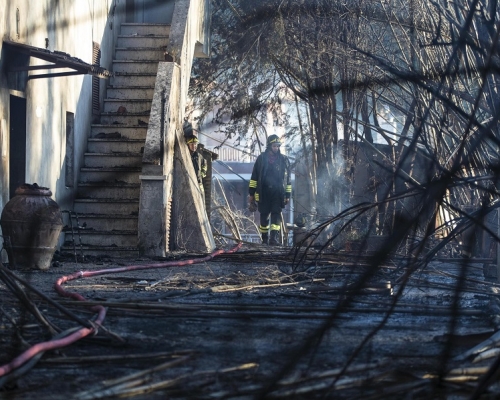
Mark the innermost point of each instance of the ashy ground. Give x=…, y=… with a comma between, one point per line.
x=254, y=324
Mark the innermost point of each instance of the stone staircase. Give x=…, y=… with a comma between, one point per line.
x=107, y=199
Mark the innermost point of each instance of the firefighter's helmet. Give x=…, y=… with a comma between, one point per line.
x=273, y=139
x=192, y=139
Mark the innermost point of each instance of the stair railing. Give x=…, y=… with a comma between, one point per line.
x=167, y=111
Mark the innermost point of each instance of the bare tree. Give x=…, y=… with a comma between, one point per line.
x=433, y=65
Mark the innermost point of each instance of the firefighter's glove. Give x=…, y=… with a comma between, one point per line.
x=252, y=204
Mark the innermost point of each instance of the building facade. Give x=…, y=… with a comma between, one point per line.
x=70, y=71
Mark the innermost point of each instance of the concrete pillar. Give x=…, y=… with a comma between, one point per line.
x=157, y=164
x=153, y=216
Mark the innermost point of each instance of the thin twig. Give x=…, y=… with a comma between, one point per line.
x=140, y=356
x=64, y=310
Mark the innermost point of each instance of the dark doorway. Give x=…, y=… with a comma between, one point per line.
x=70, y=150
x=17, y=148
x=149, y=11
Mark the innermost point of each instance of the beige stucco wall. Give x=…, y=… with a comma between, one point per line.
x=70, y=26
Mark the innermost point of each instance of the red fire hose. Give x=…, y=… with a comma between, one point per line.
x=100, y=310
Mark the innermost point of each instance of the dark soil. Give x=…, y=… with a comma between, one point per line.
x=250, y=325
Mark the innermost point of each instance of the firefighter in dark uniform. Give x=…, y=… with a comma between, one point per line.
x=270, y=187
x=199, y=162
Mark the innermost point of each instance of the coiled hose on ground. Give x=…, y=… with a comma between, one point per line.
x=100, y=310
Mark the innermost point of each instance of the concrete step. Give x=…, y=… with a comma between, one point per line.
x=128, y=119
x=132, y=80
x=140, y=53
x=135, y=67
x=135, y=106
x=103, y=238
x=107, y=160
x=144, y=29
x=129, y=93
x=106, y=206
x=144, y=41
x=119, y=131
x=104, y=222
x=112, y=175
x=107, y=190
x=100, y=251
x=115, y=145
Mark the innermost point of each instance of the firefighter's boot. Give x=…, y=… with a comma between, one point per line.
x=265, y=238
x=274, y=239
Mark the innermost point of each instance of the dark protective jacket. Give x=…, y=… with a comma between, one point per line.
x=200, y=167
x=271, y=181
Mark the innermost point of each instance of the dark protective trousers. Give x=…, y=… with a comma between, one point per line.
x=271, y=207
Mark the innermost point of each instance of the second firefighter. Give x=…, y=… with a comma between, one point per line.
x=270, y=187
